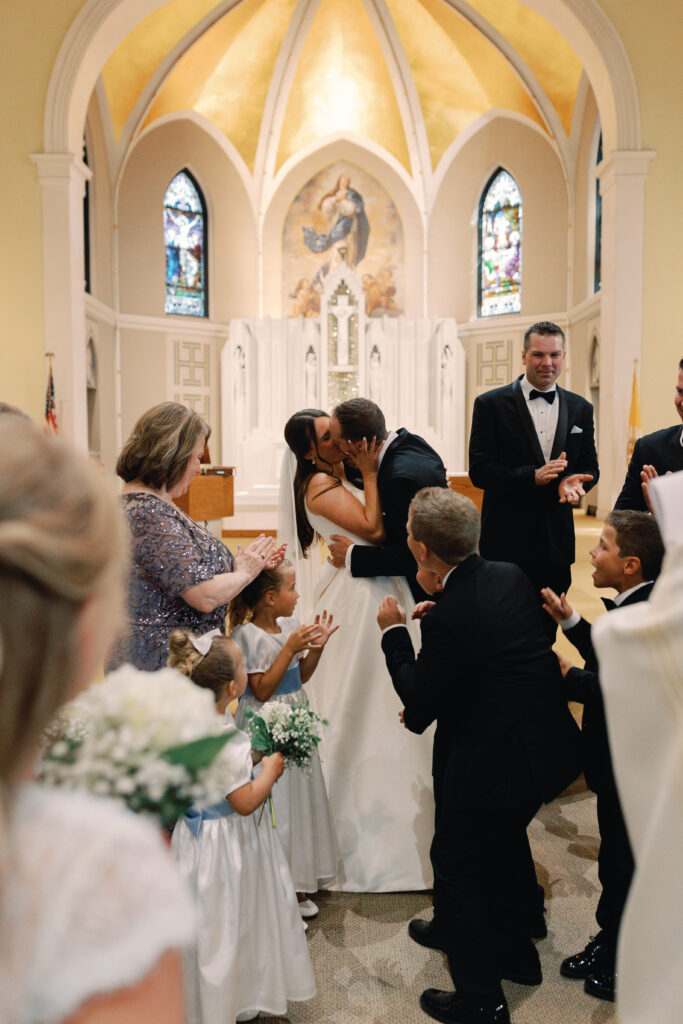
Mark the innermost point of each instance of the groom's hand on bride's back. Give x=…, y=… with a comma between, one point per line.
x=390, y=613
x=338, y=548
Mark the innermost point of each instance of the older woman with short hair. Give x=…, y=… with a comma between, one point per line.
x=181, y=576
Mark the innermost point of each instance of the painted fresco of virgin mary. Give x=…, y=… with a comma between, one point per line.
x=344, y=208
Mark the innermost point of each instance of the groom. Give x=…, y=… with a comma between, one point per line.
x=406, y=465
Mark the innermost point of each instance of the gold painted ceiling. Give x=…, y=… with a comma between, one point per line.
x=277, y=76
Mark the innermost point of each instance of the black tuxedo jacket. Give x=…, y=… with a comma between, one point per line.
x=520, y=522
x=664, y=451
x=487, y=675
x=583, y=686
x=408, y=465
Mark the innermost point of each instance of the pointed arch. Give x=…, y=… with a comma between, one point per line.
x=185, y=238
x=499, y=228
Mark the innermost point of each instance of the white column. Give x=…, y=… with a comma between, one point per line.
x=62, y=178
x=622, y=177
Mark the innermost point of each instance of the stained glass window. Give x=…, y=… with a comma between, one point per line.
x=500, y=246
x=185, y=242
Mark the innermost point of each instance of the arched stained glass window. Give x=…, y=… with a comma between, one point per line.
x=500, y=246
x=185, y=242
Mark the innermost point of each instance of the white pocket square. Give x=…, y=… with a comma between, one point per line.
x=576, y=430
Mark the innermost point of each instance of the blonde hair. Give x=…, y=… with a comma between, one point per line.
x=243, y=604
x=213, y=670
x=446, y=522
x=61, y=543
x=160, y=445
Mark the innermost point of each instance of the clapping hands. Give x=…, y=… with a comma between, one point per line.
x=313, y=637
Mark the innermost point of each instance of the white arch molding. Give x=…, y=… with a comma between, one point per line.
x=101, y=25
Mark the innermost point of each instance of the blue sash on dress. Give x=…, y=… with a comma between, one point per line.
x=290, y=682
x=194, y=817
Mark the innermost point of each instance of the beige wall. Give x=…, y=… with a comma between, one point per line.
x=27, y=59
x=155, y=160
x=651, y=34
x=532, y=162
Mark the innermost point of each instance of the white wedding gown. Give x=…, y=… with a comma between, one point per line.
x=379, y=775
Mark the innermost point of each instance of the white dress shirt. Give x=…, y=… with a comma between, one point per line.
x=543, y=415
x=575, y=618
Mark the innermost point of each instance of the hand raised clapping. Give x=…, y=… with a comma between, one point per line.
x=305, y=638
x=256, y=557
x=558, y=608
x=325, y=630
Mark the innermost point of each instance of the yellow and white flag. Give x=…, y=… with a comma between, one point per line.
x=635, y=423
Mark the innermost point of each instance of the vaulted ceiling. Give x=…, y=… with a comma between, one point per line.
x=277, y=77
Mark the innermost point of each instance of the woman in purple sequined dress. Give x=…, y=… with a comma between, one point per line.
x=181, y=576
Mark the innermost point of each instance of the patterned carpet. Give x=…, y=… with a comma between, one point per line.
x=370, y=972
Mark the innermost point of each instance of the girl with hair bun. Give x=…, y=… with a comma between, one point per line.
x=92, y=911
x=279, y=655
x=251, y=954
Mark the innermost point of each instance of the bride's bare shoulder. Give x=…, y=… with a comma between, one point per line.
x=320, y=483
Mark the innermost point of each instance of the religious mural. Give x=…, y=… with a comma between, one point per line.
x=343, y=213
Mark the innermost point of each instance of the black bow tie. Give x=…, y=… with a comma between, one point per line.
x=548, y=395
x=609, y=604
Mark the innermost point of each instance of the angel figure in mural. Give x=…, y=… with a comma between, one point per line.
x=344, y=209
x=306, y=297
x=380, y=292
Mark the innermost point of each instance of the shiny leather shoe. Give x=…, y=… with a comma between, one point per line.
x=427, y=933
x=523, y=968
x=597, y=956
x=451, y=1008
x=602, y=985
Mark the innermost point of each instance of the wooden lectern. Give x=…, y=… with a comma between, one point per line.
x=211, y=494
x=461, y=483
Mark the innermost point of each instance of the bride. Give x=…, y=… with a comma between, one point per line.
x=378, y=775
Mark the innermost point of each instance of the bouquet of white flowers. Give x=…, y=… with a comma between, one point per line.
x=294, y=732
x=151, y=740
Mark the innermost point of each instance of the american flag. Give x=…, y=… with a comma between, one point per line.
x=50, y=406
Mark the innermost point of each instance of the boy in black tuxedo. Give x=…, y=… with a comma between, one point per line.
x=406, y=464
x=505, y=742
x=628, y=557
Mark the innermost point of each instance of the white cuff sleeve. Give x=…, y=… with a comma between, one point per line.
x=573, y=620
x=347, y=557
x=394, y=625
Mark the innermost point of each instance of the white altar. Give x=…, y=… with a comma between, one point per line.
x=414, y=368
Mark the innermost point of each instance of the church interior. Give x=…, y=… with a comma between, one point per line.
x=254, y=206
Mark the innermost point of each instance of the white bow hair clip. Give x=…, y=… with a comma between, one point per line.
x=203, y=643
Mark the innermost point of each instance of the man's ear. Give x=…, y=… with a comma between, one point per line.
x=424, y=552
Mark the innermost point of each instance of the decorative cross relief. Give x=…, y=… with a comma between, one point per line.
x=342, y=320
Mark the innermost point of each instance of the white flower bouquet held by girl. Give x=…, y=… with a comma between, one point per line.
x=151, y=740
x=294, y=732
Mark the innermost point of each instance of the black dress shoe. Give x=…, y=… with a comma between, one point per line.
x=427, y=933
x=597, y=956
x=524, y=967
x=602, y=985
x=451, y=1008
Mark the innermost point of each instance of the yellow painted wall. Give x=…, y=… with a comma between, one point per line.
x=28, y=55
x=652, y=33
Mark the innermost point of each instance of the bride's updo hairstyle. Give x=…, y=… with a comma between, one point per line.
x=213, y=670
x=61, y=544
x=300, y=436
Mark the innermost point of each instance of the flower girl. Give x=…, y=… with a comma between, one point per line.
x=280, y=655
x=251, y=953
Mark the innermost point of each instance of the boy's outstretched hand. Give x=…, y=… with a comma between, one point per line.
x=390, y=613
x=558, y=608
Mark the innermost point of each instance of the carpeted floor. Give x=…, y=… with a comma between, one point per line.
x=369, y=971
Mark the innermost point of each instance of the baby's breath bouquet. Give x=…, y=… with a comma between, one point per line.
x=294, y=732
x=151, y=740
